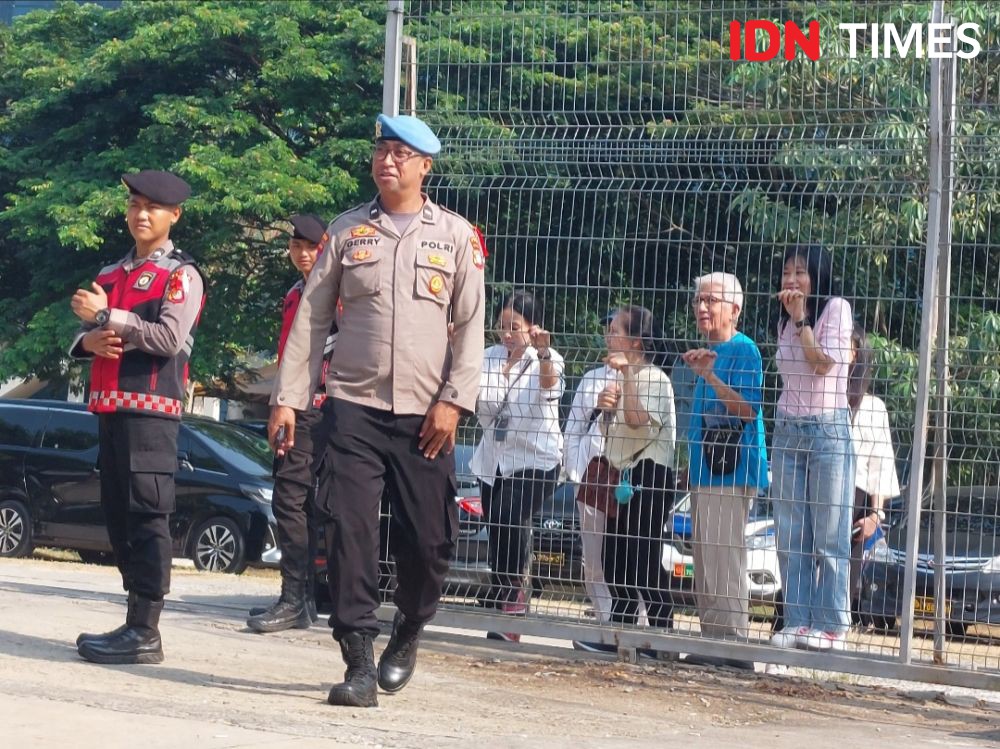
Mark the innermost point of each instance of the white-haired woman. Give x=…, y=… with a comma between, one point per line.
x=728, y=456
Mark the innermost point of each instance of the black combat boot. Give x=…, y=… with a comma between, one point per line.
x=359, y=688
x=399, y=658
x=96, y=636
x=289, y=611
x=310, y=591
x=138, y=643
x=311, y=605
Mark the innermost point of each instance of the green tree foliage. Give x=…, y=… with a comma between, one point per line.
x=266, y=108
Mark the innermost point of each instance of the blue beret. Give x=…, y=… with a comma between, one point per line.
x=160, y=187
x=308, y=226
x=410, y=130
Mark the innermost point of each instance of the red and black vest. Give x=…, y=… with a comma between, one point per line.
x=288, y=310
x=140, y=381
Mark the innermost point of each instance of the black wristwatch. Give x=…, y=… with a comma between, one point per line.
x=102, y=316
x=802, y=323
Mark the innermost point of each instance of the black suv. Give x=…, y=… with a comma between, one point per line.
x=50, y=488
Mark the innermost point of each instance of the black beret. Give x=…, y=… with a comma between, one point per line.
x=160, y=187
x=308, y=226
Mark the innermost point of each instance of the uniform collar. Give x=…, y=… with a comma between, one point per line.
x=132, y=262
x=429, y=213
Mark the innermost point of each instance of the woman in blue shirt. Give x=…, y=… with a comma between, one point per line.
x=728, y=457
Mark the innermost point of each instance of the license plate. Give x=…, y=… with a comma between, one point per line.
x=555, y=560
x=924, y=605
x=683, y=570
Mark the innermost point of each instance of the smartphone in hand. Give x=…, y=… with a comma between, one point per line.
x=279, y=438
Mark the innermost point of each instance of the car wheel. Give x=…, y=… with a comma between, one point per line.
x=15, y=529
x=219, y=546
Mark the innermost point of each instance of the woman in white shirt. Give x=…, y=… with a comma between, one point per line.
x=875, y=478
x=518, y=458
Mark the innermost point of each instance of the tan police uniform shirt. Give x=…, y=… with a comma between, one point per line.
x=398, y=294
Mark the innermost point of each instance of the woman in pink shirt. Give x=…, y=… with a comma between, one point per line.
x=813, y=460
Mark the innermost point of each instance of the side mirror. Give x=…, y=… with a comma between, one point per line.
x=183, y=463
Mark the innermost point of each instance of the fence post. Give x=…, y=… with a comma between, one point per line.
x=393, y=55
x=948, y=85
x=928, y=327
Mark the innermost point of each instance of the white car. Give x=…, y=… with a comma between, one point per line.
x=762, y=553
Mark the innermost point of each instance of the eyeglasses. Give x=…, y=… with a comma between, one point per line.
x=708, y=300
x=398, y=154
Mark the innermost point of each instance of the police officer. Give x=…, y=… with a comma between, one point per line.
x=295, y=471
x=138, y=324
x=402, y=268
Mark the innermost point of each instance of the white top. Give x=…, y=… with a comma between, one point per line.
x=656, y=439
x=872, y=440
x=583, y=438
x=533, y=439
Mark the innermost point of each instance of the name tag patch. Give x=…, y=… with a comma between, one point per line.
x=362, y=242
x=440, y=246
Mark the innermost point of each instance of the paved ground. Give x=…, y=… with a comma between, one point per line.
x=222, y=686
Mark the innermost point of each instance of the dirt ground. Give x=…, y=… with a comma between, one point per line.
x=222, y=686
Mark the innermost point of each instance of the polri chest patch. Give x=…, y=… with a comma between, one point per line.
x=144, y=281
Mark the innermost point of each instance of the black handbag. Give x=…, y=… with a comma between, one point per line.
x=721, y=447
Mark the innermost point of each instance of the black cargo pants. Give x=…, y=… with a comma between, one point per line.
x=138, y=460
x=294, y=481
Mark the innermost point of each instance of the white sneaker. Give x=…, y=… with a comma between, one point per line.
x=817, y=639
x=789, y=637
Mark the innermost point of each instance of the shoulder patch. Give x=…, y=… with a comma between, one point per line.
x=479, y=252
x=178, y=286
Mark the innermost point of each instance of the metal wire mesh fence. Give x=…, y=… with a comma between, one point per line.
x=613, y=154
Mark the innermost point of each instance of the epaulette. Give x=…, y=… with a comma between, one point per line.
x=453, y=213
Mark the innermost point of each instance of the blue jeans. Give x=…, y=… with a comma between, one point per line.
x=812, y=494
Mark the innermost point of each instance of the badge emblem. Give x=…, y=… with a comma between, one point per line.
x=436, y=285
x=438, y=260
x=361, y=255
x=144, y=281
x=478, y=256
x=178, y=286
x=378, y=129
x=363, y=231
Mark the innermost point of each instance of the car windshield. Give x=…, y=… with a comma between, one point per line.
x=235, y=447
